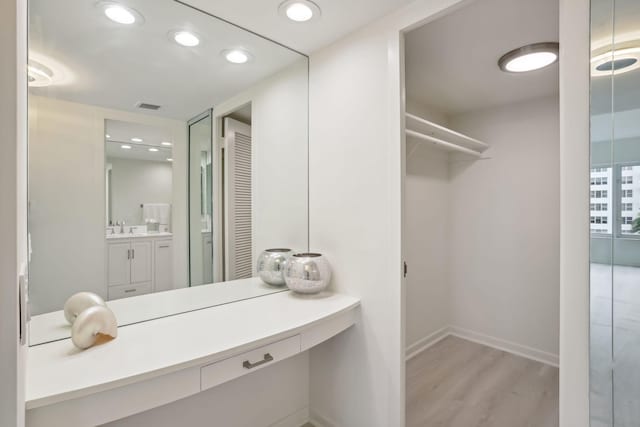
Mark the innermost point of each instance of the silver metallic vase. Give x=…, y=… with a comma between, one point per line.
x=271, y=265
x=307, y=273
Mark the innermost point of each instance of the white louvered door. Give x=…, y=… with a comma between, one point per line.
x=238, y=195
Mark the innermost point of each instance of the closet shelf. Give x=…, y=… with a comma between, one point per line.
x=444, y=138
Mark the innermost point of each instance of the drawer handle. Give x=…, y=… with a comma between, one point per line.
x=248, y=365
x=163, y=246
x=126, y=291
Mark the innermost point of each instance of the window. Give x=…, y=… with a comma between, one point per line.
x=593, y=181
x=627, y=193
x=627, y=168
x=604, y=193
x=604, y=180
x=628, y=179
x=627, y=220
x=627, y=206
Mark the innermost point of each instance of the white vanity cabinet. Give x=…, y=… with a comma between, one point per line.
x=138, y=265
x=163, y=265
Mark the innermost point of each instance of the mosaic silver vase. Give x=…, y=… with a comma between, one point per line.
x=271, y=265
x=307, y=273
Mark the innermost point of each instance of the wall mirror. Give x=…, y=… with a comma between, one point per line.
x=615, y=213
x=167, y=149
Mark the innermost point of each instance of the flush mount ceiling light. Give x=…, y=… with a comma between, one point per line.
x=136, y=139
x=125, y=147
x=153, y=150
x=615, y=62
x=120, y=14
x=299, y=10
x=236, y=56
x=167, y=144
x=529, y=58
x=185, y=38
x=38, y=75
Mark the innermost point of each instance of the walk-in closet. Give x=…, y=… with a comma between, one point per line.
x=481, y=216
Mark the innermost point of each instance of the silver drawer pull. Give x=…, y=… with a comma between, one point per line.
x=248, y=365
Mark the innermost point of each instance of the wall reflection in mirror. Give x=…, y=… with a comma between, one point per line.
x=167, y=149
x=615, y=213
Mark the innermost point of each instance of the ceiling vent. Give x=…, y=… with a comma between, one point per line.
x=147, y=106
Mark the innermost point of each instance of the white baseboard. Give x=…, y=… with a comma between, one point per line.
x=296, y=419
x=497, y=343
x=319, y=420
x=418, y=347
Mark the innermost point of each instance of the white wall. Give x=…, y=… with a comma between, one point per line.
x=427, y=221
x=13, y=197
x=504, y=227
x=356, y=165
x=276, y=396
x=574, y=217
x=66, y=191
x=138, y=181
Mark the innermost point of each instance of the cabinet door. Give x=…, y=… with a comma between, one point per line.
x=118, y=271
x=163, y=260
x=141, y=260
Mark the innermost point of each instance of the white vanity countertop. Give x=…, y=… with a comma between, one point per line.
x=52, y=326
x=58, y=371
x=137, y=235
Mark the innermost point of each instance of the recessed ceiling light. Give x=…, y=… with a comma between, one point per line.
x=615, y=62
x=236, y=56
x=186, y=38
x=108, y=136
x=299, y=10
x=125, y=147
x=153, y=150
x=136, y=139
x=120, y=14
x=169, y=159
x=528, y=58
x=168, y=144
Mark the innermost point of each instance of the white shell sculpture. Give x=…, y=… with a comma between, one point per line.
x=79, y=302
x=92, y=323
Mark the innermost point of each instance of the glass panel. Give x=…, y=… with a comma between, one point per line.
x=626, y=249
x=601, y=334
x=200, y=206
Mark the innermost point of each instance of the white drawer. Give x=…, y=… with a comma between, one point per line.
x=236, y=366
x=125, y=291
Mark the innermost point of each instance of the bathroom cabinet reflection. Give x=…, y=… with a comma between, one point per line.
x=135, y=147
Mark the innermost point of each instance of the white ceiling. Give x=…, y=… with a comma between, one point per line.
x=451, y=63
x=152, y=137
x=99, y=62
x=338, y=18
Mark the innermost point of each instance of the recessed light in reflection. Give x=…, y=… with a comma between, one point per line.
x=167, y=144
x=120, y=14
x=153, y=150
x=136, y=139
x=125, y=147
x=186, y=38
x=236, y=56
x=615, y=62
x=169, y=159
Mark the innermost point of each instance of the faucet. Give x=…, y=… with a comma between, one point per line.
x=132, y=229
x=121, y=226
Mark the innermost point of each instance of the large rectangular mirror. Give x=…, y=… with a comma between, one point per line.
x=167, y=149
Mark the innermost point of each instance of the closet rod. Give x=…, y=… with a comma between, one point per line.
x=442, y=143
x=441, y=129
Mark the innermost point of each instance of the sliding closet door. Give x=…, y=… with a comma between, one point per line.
x=615, y=213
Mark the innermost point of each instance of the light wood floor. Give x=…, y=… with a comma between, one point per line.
x=457, y=383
